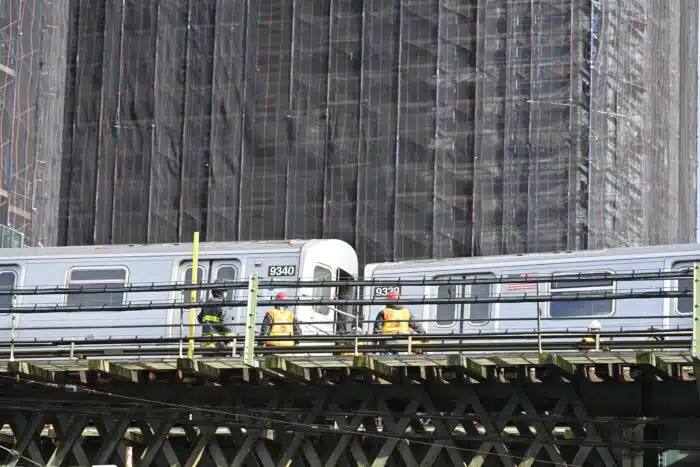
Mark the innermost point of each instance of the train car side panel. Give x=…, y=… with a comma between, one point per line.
x=559, y=315
x=85, y=273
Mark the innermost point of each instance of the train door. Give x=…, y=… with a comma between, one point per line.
x=324, y=319
x=210, y=271
x=681, y=307
x=8, y=280
x=330, y=319
x=344, y=316
x=464, y=317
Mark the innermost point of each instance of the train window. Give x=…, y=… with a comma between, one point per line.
x=581, y=284
x=561, y=309
x=7, y=281
x=226, y=273
x=685, y=304
x=187, y=294
x=446, y=313
x=577, y=309
x=322, y=274
x=476, y=314
x=479, y=313
x=97, y=279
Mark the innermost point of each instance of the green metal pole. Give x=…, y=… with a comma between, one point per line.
x=249, y=345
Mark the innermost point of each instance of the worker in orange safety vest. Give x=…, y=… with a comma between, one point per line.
x=280, y=321
x=396, y=319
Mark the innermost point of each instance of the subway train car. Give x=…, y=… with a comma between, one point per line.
x=613, y=315
x=90, y=266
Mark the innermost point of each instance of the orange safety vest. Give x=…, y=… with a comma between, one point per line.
x=396, y=321
x=286, y=329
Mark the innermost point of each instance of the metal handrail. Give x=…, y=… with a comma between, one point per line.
x=358, y=322
x=168, y=347
x=560, y=334
x=438, y=342
x=300, y=283
x=494, y=298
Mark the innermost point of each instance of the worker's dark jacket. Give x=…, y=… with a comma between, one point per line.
x=212, y=317
x=379, y=321
x=267, y=325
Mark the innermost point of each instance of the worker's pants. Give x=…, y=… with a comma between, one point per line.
x=215, y=330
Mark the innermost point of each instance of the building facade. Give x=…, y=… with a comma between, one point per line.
x=410, y=128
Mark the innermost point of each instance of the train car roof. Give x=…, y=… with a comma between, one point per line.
x=167, y=249
x=659, y=251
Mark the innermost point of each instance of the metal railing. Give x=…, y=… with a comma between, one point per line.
x=350, y=344
x=358, y=283
x=353, y=341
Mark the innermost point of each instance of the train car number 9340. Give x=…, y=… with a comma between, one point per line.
x=281, y=271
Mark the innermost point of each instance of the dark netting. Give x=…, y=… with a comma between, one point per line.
x=306, y=120
x=344, y=104
x=169, y=95
x=410, y=128
x=455, y=130
x=553, y=159
x=268, y=129
x=228, y=117
x=83, y=109
x=517, y=113
x=110, y=134
x=416, y=140
x=489, y=144
x=197, y=111
x=133, y=131
x=377, y=196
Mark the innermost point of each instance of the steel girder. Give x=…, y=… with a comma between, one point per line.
x=491, y=423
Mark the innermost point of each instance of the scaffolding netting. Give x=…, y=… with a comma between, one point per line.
x=409, y=128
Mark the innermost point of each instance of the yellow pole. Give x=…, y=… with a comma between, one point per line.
x=193, y=296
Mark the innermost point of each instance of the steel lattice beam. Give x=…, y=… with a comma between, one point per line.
x=359, y=422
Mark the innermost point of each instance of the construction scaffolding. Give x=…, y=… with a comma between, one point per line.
x=33, y=37
x=18, y=88
x=409, y=128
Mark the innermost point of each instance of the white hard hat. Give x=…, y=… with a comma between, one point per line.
x=595, y=324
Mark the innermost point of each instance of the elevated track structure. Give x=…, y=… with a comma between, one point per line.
x=536, y=397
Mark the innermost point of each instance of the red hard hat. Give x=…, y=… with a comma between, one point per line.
x=281, y=296
x=393, y=295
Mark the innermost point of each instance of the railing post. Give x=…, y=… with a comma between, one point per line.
x=695, y=346
x=539, y=326
x=357, y=331
x=252, y=306
x=182, y=318
x=194, y=293
x=12, y=335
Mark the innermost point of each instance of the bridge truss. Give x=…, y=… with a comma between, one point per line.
x=515, y=410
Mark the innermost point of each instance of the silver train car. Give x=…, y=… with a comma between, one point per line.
x=613, y=315
x=100, y=266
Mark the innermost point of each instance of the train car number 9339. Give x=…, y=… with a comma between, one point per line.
x=281, y=271
x=384, y=291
